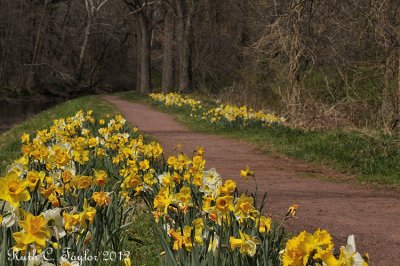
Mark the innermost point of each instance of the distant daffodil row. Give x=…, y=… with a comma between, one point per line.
x=223, y=116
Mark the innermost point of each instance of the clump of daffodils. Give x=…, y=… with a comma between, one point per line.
x=317, y=249
x=176, y=100
x=225, y=116
x=197, y=212
x=73, y=187
x=232, y=116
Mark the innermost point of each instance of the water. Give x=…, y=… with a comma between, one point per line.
x=17, y=112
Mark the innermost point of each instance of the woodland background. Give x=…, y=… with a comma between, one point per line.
x=321, y=63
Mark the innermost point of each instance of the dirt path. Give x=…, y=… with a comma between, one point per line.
x=373, y=216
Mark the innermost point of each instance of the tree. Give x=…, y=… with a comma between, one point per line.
x=143, y=14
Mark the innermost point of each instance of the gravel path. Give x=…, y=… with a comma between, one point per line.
x=372, y=215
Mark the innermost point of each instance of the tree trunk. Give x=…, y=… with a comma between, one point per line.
x=186, y=68
x=168, y=54
x=138, y=56
x=145, y=71
x=295, y=52
x=184, y=32
x=397, y=97
x=85, y=42
x=36, y=49
x=386, y=104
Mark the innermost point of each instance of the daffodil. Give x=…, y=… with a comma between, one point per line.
x=211, y=182
x=244, y=207
x=224, y=204
x=55, y=222
x=82, y=182
x=184, y=196
x=198, y=226
x=163, y=200
x=81, y=156
x=246, y=173
x=349, y=256
x=246, y=244
x=9, y=216
x=305, y=246
x=228, y=188
x=33, y=177
x=132, y=181
x=65, y=262
x=144, y=165
x=101, y=198
x=35, y=231
x=88, y=215
x=264, y=225
x=292, y=210
x=13, y=189
x=182, y=240
x=71, y=221
x=25, y=138
x=127, y=261
x=100, y=177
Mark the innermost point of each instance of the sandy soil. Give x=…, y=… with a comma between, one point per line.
x=343, y=208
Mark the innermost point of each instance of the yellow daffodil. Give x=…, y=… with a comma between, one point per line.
x=33, y=177
x=246, y=244
x=100, y=177
x=101, y=198
x=25, y=138
x=224, y=204
x=71, y=221
x=127, y=261
x=92, y=142
x=35, y=231
x=163, y=200
x=182, y=240
x=144, y=165
x=207, y=201
x=132, y=181
x=88, y=215
x=198, y=227
x=264, y=225
x=81, y=156
x=228, y=187
x=82, y=182
x=244, y=207
x=291, y=213
x=246, y=173
x=13, y=189
x=184, y=196
x=304, y=246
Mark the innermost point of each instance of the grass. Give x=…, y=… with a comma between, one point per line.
x=143, y=247
x=374, y=159
x=10, y=145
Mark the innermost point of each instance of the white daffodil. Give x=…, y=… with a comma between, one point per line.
x=213, y=246
x=349, y=255
x=35, y=260
x=17, y=168
x=111, y=123
x=65, y=262
x=211, y=182
x=163, y=178
x=38, y=260
x=10, y=215
x=55, y=222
